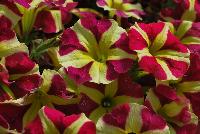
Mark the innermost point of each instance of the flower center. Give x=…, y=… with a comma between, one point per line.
x=106, y=102
x=100, y=56
x=40, y=95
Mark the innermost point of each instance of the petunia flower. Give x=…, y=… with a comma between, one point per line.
x=191, y=81
x=188, y=32
x=46, y=15
x=182, y=10
x=174, y=107
x=132, y=118
x=51, y=92
x=9, y=43
x=121, y=8
x=159, y=51
x=95, y=50
x=99, y=99
x=52, y=20
x=190, y=84
x=53, y=121
x=19, y=76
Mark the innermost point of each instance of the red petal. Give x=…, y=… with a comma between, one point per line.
x=118, y=116
x=19, y=63
x=87, y=128
x=165, y=94
x=45, y=22
x=56, y=117
x=25, y=85
x=68, y=120
x=80, y=75
x=149, y=64
x=131, y=89
x=35, y=127
x=151, y=121
x=58, y=87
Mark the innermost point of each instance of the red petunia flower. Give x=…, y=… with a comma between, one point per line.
x=50, y=120
x=121, y=8
x=95, y=50
x=183, y=10
x=99, y=99
x=159, y=51
x=131, y=118
x=174, y=107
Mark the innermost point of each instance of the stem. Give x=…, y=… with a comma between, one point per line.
x=43, y=47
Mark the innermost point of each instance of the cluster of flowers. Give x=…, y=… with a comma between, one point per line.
x=68, y=68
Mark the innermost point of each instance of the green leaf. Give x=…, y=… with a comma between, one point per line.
x=43, y=46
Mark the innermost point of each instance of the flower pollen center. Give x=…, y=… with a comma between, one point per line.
x=106, y=102
x=100, y=56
